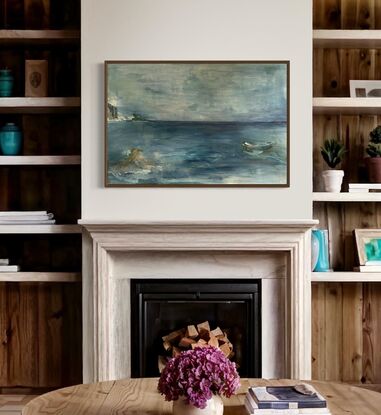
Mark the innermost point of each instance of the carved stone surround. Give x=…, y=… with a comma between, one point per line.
x=106, y=286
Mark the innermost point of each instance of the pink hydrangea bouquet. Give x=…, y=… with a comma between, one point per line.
x=197, y=375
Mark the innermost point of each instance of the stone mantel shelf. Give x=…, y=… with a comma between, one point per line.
x=249, y=226
x=106, y=312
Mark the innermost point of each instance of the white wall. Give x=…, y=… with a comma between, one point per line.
x=196, y=30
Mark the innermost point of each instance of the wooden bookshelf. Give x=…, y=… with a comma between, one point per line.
x=40, y=277
x=348, y=39
x=39, y=160
x=38, y=105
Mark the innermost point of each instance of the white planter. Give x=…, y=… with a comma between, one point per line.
x=214, y=407
x=333, y=180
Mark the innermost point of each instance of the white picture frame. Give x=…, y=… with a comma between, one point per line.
x=365, y=89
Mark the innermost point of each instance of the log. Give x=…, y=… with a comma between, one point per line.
x=217, y=332
x=202, y=327
x=213, y=341
x=186, y=342
x=191, y=332
x=175, y=335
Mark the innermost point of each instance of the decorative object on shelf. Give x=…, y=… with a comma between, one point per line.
x=37, y=14
x=36, y=78
x=373, y=162
x=163, y=128
x=10, y=139
x=6, y=83
x=314, y=251
x=195, y=379
x=365, y=89
x=333, y=152
x=322, y=263
x=368, y=243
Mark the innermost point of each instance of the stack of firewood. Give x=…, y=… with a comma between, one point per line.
x=197, y=336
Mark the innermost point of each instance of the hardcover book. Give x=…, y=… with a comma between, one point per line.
x=287, y=397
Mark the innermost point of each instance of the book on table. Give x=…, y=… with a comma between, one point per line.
x=285, y=400
x=9, y=268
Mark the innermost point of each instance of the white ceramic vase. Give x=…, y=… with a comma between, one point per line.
x=333, y=180
x=214, y=407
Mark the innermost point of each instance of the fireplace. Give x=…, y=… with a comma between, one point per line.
x=274, y=252
x=159, y=307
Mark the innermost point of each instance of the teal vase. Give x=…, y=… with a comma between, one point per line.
x=10, y=139
x=322, y=263
x=6, y=83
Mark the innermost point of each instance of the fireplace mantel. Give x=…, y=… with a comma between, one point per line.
x=106, y=329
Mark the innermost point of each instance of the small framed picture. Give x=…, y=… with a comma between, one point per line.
x=365, y=89
x=36, y=78
x=368, y=242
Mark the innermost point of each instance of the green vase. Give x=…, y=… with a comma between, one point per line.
x=6, y=82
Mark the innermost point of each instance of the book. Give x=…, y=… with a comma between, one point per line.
x=9, y=268
x=363, y=187
x=23, y=213
x=252, y=409
x=287, y=397
x=28, y=222
x=4, y=261
x=22, y=218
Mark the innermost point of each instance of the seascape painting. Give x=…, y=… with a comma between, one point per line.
x=197, y=123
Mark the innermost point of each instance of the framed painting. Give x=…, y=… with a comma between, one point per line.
x=197, y=123
x=368, y=242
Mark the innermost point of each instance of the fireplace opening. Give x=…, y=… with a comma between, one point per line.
x=161, y=307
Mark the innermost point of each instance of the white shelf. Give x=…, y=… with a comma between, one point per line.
x=39, y=229
x=346, y=197
x=346, y=277
x=10, y=37
x=39, y=160
x=347, y=38
x=346, y=106
x=40, y=277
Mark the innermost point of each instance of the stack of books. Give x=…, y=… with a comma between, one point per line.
x=27, y=218
x=5, y=267
x=364, y=187
x=285, y=400
x=370, y=266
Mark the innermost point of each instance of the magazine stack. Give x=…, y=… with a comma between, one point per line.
x=285, y=400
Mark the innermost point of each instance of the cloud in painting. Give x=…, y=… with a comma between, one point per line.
x=254, y=92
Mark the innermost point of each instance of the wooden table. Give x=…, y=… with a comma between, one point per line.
x=140, y=396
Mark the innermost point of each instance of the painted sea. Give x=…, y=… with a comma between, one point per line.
x=174, y=152
x=196, y=123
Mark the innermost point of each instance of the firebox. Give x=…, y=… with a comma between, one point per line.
x=160, y=307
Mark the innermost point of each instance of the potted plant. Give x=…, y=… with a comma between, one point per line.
x=195, y=380
x=333, y=152
x=373, y=162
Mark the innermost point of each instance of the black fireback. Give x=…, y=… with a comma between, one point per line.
x=159, y=307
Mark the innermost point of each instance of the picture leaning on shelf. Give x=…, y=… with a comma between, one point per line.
x=368, y=244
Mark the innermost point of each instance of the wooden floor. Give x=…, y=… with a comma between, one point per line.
x=13, y=404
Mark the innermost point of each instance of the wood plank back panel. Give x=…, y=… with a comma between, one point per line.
x=346, y=14
x=41, y=335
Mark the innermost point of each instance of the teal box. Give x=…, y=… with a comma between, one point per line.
x=10, y=139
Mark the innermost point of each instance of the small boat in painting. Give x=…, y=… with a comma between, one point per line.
x=249, y=147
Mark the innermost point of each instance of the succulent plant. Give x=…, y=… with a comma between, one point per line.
x=333, y=152
x=374, y=146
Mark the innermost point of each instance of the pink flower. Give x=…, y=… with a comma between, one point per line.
x=198, y=374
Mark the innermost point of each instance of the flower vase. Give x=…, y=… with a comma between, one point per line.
x=214, y=406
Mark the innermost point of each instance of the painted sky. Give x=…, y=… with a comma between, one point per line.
x=249, y=92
